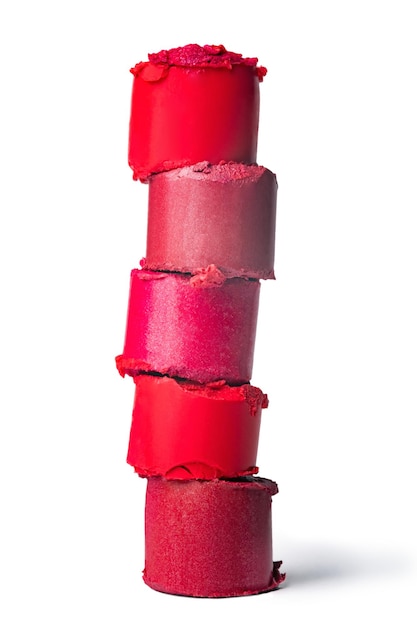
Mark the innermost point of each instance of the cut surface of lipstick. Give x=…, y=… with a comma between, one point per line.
x=192, y=104
x=210, y=538
x=183, y=430
x=198, y=330
x=213, y=214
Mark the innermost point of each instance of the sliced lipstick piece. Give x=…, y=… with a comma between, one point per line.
x=213, y=214
x=210, y=538
x=192, y=104
x=183, y=430
x=201, y=328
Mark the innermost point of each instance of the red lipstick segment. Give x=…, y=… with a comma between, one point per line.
x=186, y=430
x=193, y=104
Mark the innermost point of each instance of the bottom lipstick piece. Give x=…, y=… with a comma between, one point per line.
x=210, y=538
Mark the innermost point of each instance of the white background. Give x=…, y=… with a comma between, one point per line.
x=336, y=344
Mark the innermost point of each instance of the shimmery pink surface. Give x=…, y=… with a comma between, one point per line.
x=202, y=334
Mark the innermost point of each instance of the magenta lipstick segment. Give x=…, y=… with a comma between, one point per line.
x=200, y=331
x=213, y=214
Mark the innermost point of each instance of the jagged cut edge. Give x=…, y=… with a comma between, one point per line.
x=195, y=470
x=193, y=56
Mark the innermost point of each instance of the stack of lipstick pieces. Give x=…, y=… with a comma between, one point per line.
x=191, y=322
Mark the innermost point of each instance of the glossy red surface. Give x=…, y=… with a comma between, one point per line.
x=201, y=333
x=184, y=430
x=183, y=115
x=210, y=538
x=213, y=214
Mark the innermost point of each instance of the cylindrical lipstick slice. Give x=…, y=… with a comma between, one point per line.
x=183, y=430
x=210, y=538
x=193, y=329
x=192, y=104
x=213, y=214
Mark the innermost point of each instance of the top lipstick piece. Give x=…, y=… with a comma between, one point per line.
x=190, y=104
